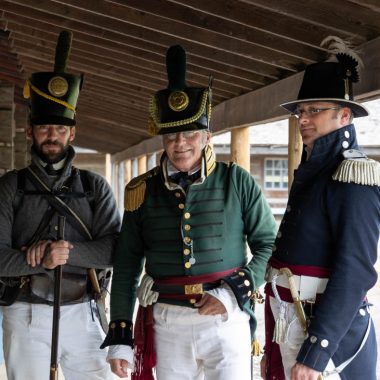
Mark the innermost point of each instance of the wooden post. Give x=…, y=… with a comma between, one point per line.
x=294, y=149
x=120, y=184
x=108, y=169
x=240, y=147
x=134, y=168
x=127, y=171
x=141, y=165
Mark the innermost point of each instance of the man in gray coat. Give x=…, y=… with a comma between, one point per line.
x=31, y=201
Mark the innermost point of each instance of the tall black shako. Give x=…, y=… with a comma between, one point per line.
x=178, y=107
x=54, y=95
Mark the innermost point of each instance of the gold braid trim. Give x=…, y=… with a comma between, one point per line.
x=362, y=172
x=134, y=194
x=26, y=93
x=154, y=115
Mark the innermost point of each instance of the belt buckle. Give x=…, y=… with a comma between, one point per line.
x=194, y=289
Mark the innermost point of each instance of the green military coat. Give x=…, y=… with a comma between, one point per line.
x=213, y=222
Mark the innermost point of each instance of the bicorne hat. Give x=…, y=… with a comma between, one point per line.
x=331, y=81
x=54, y=95
x=179, y=108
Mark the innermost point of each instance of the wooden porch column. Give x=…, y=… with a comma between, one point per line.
x=240, y=147
x=294, y=149
x=109, y=169
x=127, y=171
x=141, y=165
x=120, y=184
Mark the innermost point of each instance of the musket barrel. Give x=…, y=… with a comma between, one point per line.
x=56, y=306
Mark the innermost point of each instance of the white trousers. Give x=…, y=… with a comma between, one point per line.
x=294, y=339
x=27, y=333
x=191, y=346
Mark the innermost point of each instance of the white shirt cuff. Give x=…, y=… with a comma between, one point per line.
x=121, y=351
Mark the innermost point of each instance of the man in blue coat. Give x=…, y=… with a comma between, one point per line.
x=318, y=319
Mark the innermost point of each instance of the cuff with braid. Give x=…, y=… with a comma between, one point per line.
x=242, y=286
x=119, y=332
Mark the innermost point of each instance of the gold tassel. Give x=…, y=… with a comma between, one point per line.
x=26, y=90
x=362, y=172
x=134, y=195
x=256, y=348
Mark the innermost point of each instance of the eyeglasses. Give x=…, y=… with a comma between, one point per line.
x=45, y=128
x=310, y=112
x=188, y=135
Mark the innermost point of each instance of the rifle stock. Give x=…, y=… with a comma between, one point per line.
x=56, y=306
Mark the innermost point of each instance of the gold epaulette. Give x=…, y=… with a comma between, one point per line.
x=358, y=168
x=135, y=190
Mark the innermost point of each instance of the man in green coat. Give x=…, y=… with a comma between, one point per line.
x=189, y=220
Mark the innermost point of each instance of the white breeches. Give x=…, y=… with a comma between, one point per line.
x=191, y=346
x=294, y=339
x=27, y=342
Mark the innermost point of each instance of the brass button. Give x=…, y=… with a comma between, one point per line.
x=187, y=215
x=192, y=300
x=249, y=294
x=187, y=227
x=187, y=265
x=186, y=251
x=181, y=206
x=247, y=283
x=178, y=195
x=242, y=274
x=187, y=240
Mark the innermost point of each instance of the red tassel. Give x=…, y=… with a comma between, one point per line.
x=150, y=359
x=145, y=355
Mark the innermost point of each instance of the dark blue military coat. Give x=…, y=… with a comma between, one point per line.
x=335, y=225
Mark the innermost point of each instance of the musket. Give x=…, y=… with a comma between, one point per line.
x=56, y=306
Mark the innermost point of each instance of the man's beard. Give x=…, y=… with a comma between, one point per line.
x=51, y=158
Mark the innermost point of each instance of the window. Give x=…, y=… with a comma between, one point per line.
x=276, y=174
